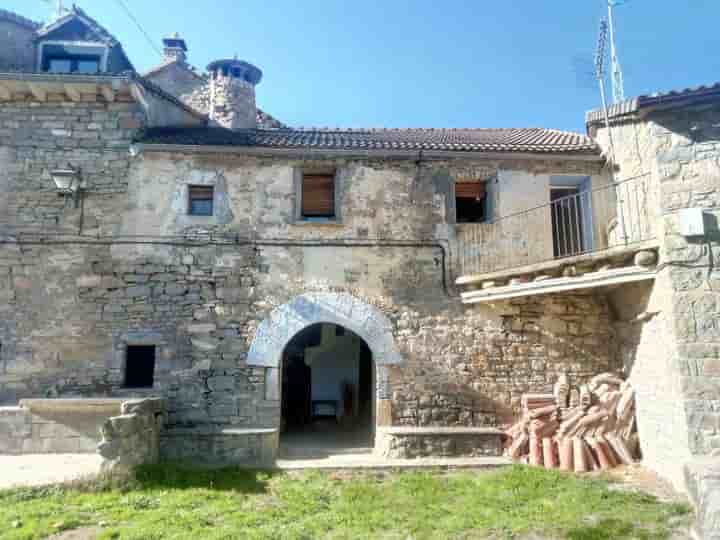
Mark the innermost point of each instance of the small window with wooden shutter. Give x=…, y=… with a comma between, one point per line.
x=470, y=202
x=318, y=196
x=200, y=200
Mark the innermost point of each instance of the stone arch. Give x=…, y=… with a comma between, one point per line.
x=343, y=309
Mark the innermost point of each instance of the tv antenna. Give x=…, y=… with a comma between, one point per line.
x=600, y=74
x=618, y=85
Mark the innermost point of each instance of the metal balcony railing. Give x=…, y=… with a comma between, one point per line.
x=574, y=222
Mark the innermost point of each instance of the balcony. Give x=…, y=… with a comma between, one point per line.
x=582, y=230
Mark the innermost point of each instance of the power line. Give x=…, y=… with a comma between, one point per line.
x=129, y=13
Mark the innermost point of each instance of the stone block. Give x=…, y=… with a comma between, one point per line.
x=221, y=384
x=702, y=477
x=139, y=291
x=201, y=328
x=88, y=281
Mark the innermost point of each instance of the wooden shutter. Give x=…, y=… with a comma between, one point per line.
x=470, y=190
x=318, y=195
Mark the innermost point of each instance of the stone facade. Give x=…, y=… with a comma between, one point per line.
x=670, y=344
x=125, y=264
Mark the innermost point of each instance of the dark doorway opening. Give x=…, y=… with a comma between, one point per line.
x=140, y=366
x=327, y=393
x=568, y=210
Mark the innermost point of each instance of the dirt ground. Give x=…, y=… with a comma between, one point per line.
x=39, y=470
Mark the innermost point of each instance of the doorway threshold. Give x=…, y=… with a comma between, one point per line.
x=371, y=462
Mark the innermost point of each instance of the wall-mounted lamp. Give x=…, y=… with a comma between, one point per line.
x=68, y=182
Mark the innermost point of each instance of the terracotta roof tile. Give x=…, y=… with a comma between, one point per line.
x=631, y=106
x=530, y=140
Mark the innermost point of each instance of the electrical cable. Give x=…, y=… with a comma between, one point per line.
x=129, y=13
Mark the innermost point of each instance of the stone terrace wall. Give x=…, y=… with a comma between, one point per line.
x=54, y=426
x=133, y=438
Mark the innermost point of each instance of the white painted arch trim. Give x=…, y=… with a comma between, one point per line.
x=284, y=323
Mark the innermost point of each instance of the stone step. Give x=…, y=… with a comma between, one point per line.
x=370, y=462
x=318, y=452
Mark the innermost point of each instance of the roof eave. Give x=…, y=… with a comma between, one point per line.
x=391, y=154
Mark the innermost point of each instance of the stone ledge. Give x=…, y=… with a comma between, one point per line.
x=230, y=432
x=440, y=430
x=592, y=280
x=90, y=405
x=553, y=264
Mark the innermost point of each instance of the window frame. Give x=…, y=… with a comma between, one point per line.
x=299, y=175
x=74, y=60
x=484, y=201
x=190, y=199
x=75, y=49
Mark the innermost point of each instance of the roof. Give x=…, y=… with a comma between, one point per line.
x=173, y=62
x=159, y=92
x=630, y=107
x=76, y=13
x=531, y=140
x=17, y=19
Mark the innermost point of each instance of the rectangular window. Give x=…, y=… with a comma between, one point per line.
x=140, y=366
x=470, y=202
x=318, y=196
x=200, y=200
x=71, y=64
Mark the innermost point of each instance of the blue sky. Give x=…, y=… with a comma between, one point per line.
x=425, y=63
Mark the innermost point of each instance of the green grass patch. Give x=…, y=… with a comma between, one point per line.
x=172, y=501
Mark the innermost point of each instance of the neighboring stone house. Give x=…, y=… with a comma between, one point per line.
x=197, y=246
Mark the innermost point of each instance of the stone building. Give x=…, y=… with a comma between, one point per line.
x=161, y=235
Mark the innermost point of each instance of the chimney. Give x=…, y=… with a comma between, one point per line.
x=232, y=93
x=175, y=48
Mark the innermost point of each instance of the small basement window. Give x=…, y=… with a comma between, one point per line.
x=470, y=202
x=200, y=200
x=318, y=197
x=140, y=366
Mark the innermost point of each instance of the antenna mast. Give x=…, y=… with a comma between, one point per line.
x=600, y=74
x=618, y=85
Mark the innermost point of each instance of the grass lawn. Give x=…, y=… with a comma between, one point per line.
x=174, y=502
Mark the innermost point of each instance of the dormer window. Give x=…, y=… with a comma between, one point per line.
x=59, y=57
x=72, y=64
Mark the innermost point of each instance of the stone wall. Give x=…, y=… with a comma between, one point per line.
x=679, y=151
x=403, y=443
x=133, y=438
x=49, y=426
x=703, y=481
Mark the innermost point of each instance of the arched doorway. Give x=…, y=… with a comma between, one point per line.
x=288, y=320
x=327, y=394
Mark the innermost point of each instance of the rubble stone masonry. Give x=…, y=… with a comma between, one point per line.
x=670, y=334
x=131, y=267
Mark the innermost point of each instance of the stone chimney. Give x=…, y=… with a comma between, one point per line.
x=232, y=93
x=175, y=48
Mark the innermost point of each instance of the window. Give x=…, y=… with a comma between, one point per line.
x=140, y=366
x=470, y=202
x=71, y=64
x=200, y=200
x=318, y=197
